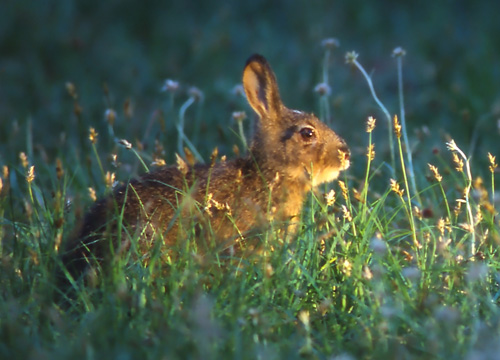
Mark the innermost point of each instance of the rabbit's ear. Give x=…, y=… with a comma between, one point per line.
x=261, y=87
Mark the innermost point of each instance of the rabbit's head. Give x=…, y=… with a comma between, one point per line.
x=295, y=144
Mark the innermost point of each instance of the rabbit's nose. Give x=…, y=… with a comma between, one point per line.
x=347, y=153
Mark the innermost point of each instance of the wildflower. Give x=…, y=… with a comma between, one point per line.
x=395, y=187
x=109, y=179
x=397, y=127
x=1, y=185
x=239, y=116
x=458, y=206
x=398, y=52
x=170, y=86
x=435, y=172
x=367, y=273
x=24, y=160
x=371, y=152
x=493, y=164
x=370, y=124
x=418, y=213
x=330, y=198
x=346, y=267
x=347, y=214
x=195, y=93
x=330, y=43
x=93, y=135
x=127, y=145
x=323, y=89
x=343, y=187
x=92, y=194
x=31, y=174
x=181, y=165
x=236, y=150
x=114, y=160
x=158, y=162
x=110, y=116
x=71, y=89
x=479, y=215
x=191, y=160
x=452, y=146
x=213, y=156
x=351, y=57
x=459, y=164
x=441, y=226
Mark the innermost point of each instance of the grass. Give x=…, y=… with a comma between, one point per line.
x=387, y=265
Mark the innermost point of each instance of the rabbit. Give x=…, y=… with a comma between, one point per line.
x=291, y=153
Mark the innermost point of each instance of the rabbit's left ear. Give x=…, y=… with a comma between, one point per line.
x=261, y=88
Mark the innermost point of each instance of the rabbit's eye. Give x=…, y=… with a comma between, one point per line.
x=307, y=133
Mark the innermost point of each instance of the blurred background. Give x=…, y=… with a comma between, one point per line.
x=119, y=53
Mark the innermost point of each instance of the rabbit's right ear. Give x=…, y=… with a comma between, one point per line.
x=261, y=87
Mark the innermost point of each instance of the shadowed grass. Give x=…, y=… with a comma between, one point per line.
x=371, y=273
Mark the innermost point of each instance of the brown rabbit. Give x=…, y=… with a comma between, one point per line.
x=291, y=153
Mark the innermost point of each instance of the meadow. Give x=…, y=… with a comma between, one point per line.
x=397, y=259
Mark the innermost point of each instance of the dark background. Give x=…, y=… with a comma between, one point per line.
x=452, y=77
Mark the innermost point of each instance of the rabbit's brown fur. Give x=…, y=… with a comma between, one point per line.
x=291, y=152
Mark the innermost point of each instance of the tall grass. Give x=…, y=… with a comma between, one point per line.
x=372, y=273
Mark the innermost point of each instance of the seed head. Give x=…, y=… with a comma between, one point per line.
x=346, y=213
x=493, y=164
x=59, y=169
x=181, y=165
x=158, y=162
x=397, y=127
x=93, y=135
x=330, y=43
x=371, y=152
x=435, y=172
x=110, y=180
x=30, y=176
x=459, y=164
x=71, y=89
x=330, y=197
x=351, y=57
x=344, y=189
x=110, y=116
x=398, y=52
x=239, y=116
x=370, y=124
x=24, y=159
x=195, y=93
x=452, y=146
x=92, y=194
x=123, y=142
x=170, y=86
x=395, y=187
x=213, y=156
x=323, y=89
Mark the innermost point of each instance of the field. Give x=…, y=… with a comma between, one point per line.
x=397, y=259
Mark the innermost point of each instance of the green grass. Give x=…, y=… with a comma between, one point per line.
x=372, y=273
x=400, y=262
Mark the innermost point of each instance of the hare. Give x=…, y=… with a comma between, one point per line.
x=291, y=153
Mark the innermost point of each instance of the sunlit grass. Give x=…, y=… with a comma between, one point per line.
x=381, y=267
